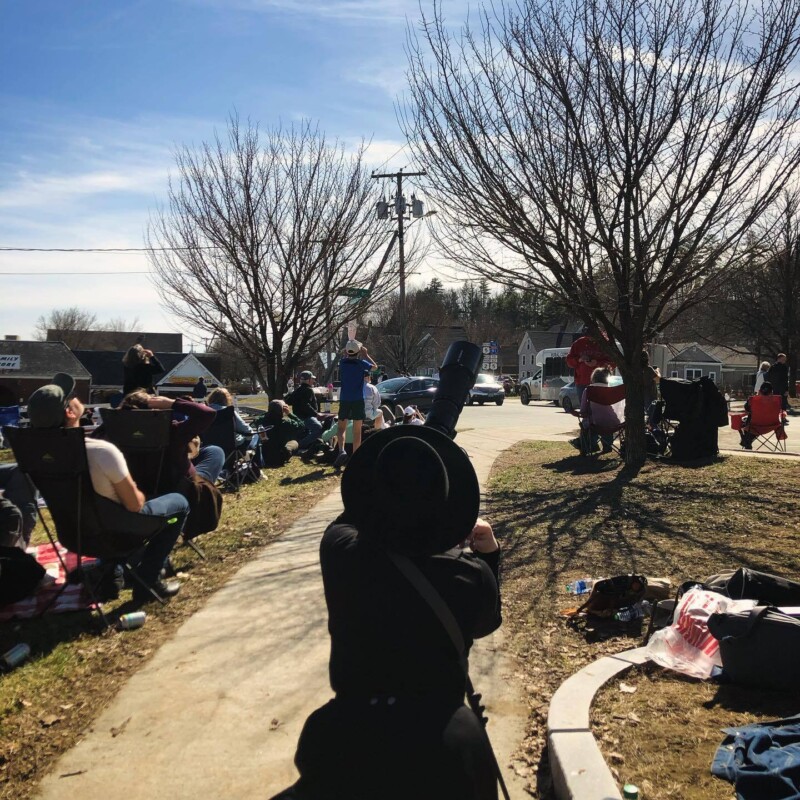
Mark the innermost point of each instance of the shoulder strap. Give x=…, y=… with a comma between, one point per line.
x=429, y=594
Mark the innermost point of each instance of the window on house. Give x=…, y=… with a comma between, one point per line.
x=523, y=361
x=713, y=376
x=693, y=374
x=674, y=374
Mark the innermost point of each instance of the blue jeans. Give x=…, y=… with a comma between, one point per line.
x=313, y=432
x=18, y=490
x=160, y=546
x=209, y=462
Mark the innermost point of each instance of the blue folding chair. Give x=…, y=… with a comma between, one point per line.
x=9, y=415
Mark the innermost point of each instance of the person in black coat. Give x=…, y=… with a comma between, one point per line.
x=140, y=367
x=778, y=376
x=398, y=726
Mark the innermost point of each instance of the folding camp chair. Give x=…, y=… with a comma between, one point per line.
x=605, y=416
x=143, y=437
x=9, y=415
x=237, y=466
x=87, y=524
x=766, y=423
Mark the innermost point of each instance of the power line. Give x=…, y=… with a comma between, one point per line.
x=109, y=272
x=103, y=249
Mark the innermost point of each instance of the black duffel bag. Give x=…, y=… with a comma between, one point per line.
x=760, y=647
x=765, y=589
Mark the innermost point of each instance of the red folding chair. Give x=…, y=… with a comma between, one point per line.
x=605, y=416
x=766, y=423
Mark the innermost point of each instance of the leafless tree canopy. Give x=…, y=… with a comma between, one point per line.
x=763, y=301
x=69, y=325
x=614, y=152
x=260, y=234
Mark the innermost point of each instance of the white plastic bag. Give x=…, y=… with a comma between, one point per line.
x=687, y=645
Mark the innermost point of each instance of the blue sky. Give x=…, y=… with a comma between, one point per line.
x=95, y=96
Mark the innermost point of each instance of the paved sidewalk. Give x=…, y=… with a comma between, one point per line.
x=218, y=710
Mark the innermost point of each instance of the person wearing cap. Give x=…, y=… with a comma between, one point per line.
x=55, y=406
x=306, y=408
x=413, y=416
x=398, y=726
x=351, y=398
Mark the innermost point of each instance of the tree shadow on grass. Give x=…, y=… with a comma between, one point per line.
x=607, y=526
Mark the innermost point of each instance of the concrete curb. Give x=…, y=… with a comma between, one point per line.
x=578, y=768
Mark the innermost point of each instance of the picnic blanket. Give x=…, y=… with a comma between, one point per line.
x=73, y=598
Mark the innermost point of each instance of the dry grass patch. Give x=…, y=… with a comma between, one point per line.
x=561, y=517
x=73, y=673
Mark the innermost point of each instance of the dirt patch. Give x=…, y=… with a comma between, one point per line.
x=73, y=674
x=561, y=517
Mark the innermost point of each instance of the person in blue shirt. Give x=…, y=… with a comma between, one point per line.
x=351, y=398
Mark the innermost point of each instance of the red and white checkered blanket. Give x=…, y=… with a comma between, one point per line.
x=73, y=598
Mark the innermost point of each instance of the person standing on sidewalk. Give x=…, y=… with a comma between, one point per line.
x=398, y=727
x=351, y=398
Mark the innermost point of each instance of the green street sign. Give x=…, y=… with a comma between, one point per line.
x=351, y=291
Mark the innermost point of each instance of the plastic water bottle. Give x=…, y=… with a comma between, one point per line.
x=631, y=613
x=580, y=587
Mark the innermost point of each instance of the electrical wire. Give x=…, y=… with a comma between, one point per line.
x=110, y=272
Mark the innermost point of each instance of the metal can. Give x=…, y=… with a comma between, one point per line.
x=129, y=622
x=16, y=655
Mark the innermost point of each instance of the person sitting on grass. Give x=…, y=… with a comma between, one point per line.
x=413, y=416
x=284, y=431
x=55, y=406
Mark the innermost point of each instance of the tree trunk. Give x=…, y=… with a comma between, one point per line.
x=635, y=442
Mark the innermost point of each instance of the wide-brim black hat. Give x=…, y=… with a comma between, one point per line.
x=429, y=519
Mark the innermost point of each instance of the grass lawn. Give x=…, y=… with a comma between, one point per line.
x=73, y=673
x=560, y=517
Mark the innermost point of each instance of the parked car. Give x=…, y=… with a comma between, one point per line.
x=568, y=396
x=531, y=388
x=487, y=389
x=415, y=391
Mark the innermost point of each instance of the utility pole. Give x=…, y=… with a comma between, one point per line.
x=400, y=214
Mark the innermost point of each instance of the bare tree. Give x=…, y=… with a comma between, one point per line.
x=763, y=302
x=261, y=235
x=611, y=152
x=423, y=311
x=121, y=325
x=69, y=325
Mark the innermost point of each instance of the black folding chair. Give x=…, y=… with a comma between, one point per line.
x=143, y=436
x=237, y=466
x=87, y=524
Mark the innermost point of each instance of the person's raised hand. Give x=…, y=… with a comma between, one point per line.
x=482, y=538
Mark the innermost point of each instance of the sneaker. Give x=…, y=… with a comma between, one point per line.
x=163, y=588
x=341, y=459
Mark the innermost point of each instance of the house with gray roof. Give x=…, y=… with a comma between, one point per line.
x=691, y=361
x=27, y=365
